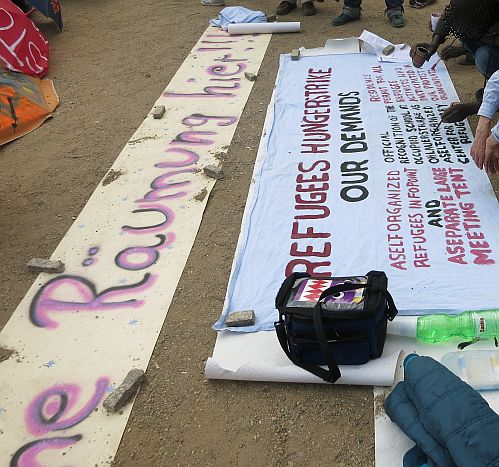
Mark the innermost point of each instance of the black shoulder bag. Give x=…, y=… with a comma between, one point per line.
x=333, y=321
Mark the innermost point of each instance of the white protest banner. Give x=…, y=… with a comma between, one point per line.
x=350, y=178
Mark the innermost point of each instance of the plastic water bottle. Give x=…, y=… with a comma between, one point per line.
x=478, y=368
x=470, y=326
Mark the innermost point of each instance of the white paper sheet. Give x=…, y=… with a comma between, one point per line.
x=399, y=55
x=259, y=357
x=348, y=45
x=434, y=20
x=374, y=44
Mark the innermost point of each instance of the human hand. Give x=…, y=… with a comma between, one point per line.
x=479, y=143
x=425, y=45
x=451, y=51
x=457, y=112
x=421, y=53
x=491, y=163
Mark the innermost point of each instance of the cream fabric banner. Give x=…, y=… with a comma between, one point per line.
x=76, y=335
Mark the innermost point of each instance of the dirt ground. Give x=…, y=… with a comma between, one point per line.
x=109, y=65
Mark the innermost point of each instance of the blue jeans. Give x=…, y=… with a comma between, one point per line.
x=486, y=56
x=389, y=3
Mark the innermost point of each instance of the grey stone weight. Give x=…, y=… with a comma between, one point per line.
x=45, y=265
x=125, y=391
x=240, y=318
x=388, y=49
x=158, y=111
x=295, y=54
x=214, y=172
x=250, y=76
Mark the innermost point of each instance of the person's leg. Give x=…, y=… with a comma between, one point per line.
x=353, y=3
x=285, y=7
x=308, y=7
x=457, y=112
x=351, y=12
x=470, y=46
x=395, y=12
x=487, y=60
x=391, y=4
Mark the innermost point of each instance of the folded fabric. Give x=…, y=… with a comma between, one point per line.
x=237, y=14
x=451, y=423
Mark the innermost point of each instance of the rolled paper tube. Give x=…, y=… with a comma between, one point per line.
x=264, y=28
x=403, y=326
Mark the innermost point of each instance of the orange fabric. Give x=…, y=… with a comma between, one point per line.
x=25, y=103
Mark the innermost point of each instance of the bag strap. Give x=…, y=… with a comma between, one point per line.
x=333, y=372
x=286, y=286
x=317, y=370
x=392, y=311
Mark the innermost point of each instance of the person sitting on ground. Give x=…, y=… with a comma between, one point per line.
x=351, y=12
x=287, y=6
x=476, y=24
x=485, y=147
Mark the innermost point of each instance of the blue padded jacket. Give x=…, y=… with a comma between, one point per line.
x=451, y=423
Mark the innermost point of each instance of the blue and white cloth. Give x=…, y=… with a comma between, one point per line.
x=490, y=103
x=237, y=14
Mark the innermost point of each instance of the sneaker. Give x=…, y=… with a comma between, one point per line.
x=284, y=8
x=212, y=2
x=396, y=17
x=308, y=9
x=397, y=20
x=342, y=19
